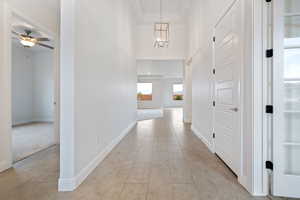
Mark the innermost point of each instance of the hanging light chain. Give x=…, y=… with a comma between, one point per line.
x=160, y=11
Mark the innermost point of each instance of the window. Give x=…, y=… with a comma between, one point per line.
x=144, y=91
x=178, y=92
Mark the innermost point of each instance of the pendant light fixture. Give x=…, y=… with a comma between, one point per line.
x=161, y=31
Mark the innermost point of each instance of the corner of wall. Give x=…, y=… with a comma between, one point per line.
x=71, y=184
x=5, y=84
x=4, y=165
x=187, y=119
x=202, y=138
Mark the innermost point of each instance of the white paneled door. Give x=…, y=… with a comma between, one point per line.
x=286, y=131
x=228, y=64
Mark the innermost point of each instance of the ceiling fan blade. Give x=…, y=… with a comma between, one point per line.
x=45, y=45
x=15, y=33
x=42, y=39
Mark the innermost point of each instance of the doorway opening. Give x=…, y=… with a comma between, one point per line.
x=33, y=87
x=160, y=86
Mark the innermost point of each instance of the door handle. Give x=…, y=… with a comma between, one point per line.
x=234, y=109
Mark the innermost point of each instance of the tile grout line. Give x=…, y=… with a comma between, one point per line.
x=181, y=149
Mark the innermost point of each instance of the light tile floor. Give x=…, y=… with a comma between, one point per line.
x=159, y=160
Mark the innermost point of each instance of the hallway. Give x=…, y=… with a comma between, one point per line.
x=160, y=159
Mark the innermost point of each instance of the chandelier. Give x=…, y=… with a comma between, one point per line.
x=161, y=31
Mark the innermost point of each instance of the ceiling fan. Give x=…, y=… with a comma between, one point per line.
x=27, y=40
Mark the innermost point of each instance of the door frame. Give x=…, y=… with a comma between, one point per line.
x=9, y=13
x=277, y=84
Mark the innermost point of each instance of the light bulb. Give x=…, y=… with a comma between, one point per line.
x=27, y=42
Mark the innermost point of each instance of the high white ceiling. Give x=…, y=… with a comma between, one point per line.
x=173, y=11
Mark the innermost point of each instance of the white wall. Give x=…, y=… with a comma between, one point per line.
x=201, y=24
x=43, y=86
x=32, y=85
x=187, y=105
x=165, y=68
x=44, y=12
x=145, y=43
x=5, y=102
x=94, y=80
x=22, y=85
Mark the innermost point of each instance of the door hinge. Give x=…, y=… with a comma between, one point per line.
x=214, y=103
x=214, y=39
x=214, y=71
x=269, y=165
x=269, y=53
x=214, y=135
x=269, y=109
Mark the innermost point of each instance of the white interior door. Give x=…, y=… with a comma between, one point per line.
x=286, y=132
x=227, y=55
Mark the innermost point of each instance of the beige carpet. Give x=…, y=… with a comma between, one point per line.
x=31, y=138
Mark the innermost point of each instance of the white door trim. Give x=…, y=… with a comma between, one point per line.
x=261, y=88
x=9, y=13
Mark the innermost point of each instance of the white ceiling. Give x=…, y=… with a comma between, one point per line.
x=174, y=11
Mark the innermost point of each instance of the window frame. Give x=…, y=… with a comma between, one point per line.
x=151, y=95
x=175, y=95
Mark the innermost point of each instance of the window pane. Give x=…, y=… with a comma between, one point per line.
x=292, y=6
x=292, y=63
x=292, y=27
x=291, y=85
x=292, y=161
x=178, y=92
x=145, y=88
x=144, y=91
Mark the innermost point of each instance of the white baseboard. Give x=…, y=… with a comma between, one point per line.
x=46, y=120
x=243, y=181
x=4, y=165
x=20, y=123
x=203, y=139
x=71, y=184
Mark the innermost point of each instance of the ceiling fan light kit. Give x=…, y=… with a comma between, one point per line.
x=28, y=42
